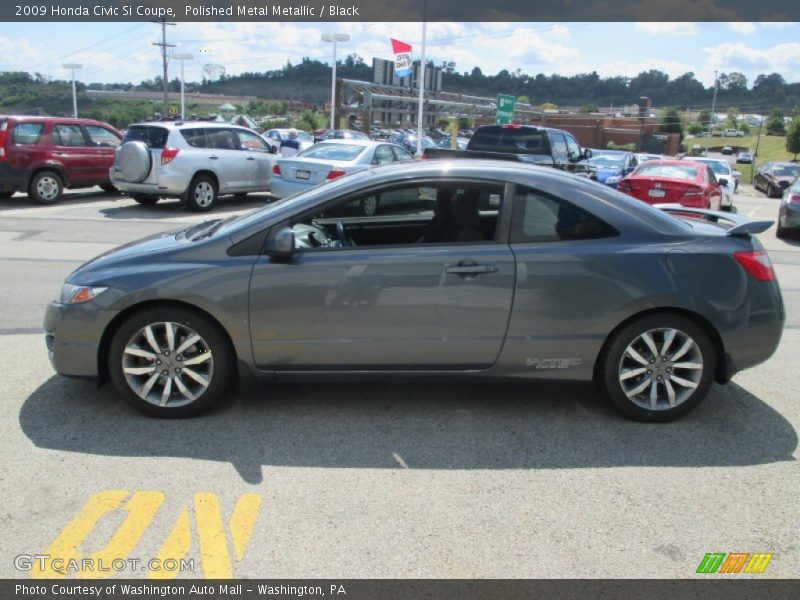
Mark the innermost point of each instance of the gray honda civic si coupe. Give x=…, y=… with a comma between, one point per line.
x=476, y=269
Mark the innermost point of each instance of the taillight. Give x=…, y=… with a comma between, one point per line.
x=335, y=172
x=757, y=263
x=693, y=191
x=624, y=187
x=3, y=134
x=168, y=155
x=793, y=199
x=276, y=170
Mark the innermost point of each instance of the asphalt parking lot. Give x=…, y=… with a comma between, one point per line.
x=370, y=480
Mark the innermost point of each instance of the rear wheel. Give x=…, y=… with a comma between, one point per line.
x=170, y=362
x=144, y=199
x=46, y=188
x=779, y=230
x=658, y=367
x=202, y=194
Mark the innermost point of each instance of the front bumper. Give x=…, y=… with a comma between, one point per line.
x=72, y=335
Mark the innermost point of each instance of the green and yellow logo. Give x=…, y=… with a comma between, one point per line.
x=734, y=562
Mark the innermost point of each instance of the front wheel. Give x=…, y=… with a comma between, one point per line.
x=202, y=194
x=658, y=367
x=46, y=188
x=170, y=362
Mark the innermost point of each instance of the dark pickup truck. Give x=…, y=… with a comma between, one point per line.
x=524, y=143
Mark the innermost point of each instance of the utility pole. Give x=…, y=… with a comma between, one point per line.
x=164, y=45
x=755, y=155
x=713, y=106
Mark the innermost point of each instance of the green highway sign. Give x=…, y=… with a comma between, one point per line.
x=505, y=109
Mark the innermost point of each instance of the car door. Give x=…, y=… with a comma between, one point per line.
x=226, y=159
x=70, y=148
x=404, y=306
x=102, y=145
x=259, y=160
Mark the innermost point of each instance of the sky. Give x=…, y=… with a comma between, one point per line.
x=123, y=52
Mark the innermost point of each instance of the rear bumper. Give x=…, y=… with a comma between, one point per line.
x=167, y=185
x=280, y=188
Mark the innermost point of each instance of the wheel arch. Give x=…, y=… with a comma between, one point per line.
x=111, y=328
x=721, y=373
x=54, y=167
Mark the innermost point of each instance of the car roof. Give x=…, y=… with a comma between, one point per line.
x=354, y=142
x=67, y=120
x=189, y=125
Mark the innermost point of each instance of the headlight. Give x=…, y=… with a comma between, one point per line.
x=613, y=179
x=77, y=294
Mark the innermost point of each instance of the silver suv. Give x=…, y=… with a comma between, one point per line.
x=194, y=161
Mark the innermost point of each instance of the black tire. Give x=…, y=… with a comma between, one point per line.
x=780, y=232
x=6, y=195
x=201, y=196
x=108, y=188
x=770, y=191
x=610, y=367
x=145, y=199
x=213, y=336
x=46, y=188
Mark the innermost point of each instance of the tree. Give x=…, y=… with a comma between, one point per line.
x=793, y=137
x=704, y=119
x=694, y=128
x=671, y=122
x=523, y=100
x=732, y=120
x=775, y=124
x=589, y=108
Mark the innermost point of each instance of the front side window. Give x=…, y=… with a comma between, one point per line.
x=100, y=136
x=68, y=135
x=573, y=148
x=558, y=146
x=383, y=155
x=251, y=141
x=27, y=133
x=540, y=217
x=401, y=154
x=440, y=213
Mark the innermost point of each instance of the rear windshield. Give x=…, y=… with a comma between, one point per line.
x=687, y=172
x=509, y=139
x=155, y=137
x=333, y=151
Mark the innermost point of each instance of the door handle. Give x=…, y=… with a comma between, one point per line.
x=213, y=157
x=250, y=158
x=464, y=269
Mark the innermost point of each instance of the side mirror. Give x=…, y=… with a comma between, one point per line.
x=586, y=153
x=280, y=244
x=722, y=181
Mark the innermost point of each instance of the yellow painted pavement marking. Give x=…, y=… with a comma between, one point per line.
x=175, y=547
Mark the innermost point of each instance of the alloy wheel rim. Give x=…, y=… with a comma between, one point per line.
x=168, y=364
x=47, y=188
x=660, y=369
x=204, y=193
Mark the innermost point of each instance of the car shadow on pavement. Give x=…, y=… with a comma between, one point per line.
x=174, y=208
x=79, y=197
x=414, y=426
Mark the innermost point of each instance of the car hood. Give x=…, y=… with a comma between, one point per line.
x=159, y=242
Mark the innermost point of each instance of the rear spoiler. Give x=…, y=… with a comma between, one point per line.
x=742, y=226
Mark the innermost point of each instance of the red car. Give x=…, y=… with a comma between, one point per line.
x=45, y=155
x=683, y=182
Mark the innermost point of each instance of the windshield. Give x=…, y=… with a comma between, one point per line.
x=687, y=172
x=786, y=171
x=345, y=152
x=719, y=167
x=608, y=161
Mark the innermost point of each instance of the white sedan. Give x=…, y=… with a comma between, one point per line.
x=329, y=160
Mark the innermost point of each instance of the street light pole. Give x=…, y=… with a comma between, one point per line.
x=713, y=106
x=182, y=58
x=72, y=67
x=334, y=38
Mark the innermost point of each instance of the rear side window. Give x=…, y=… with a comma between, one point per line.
x=514, y=140
x=539, y=217
x=155, y=137
x=101, y=136
x=27, y=133
x=68, y=135
x=196, y=138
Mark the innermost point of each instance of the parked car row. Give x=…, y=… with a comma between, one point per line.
x=774, y=178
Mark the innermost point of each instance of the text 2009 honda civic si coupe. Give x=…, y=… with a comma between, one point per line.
x=488, y=269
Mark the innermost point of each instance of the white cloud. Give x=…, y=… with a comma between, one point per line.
x=668, y=28
x=743, y=27
x=560, y=32
x=780, y=58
